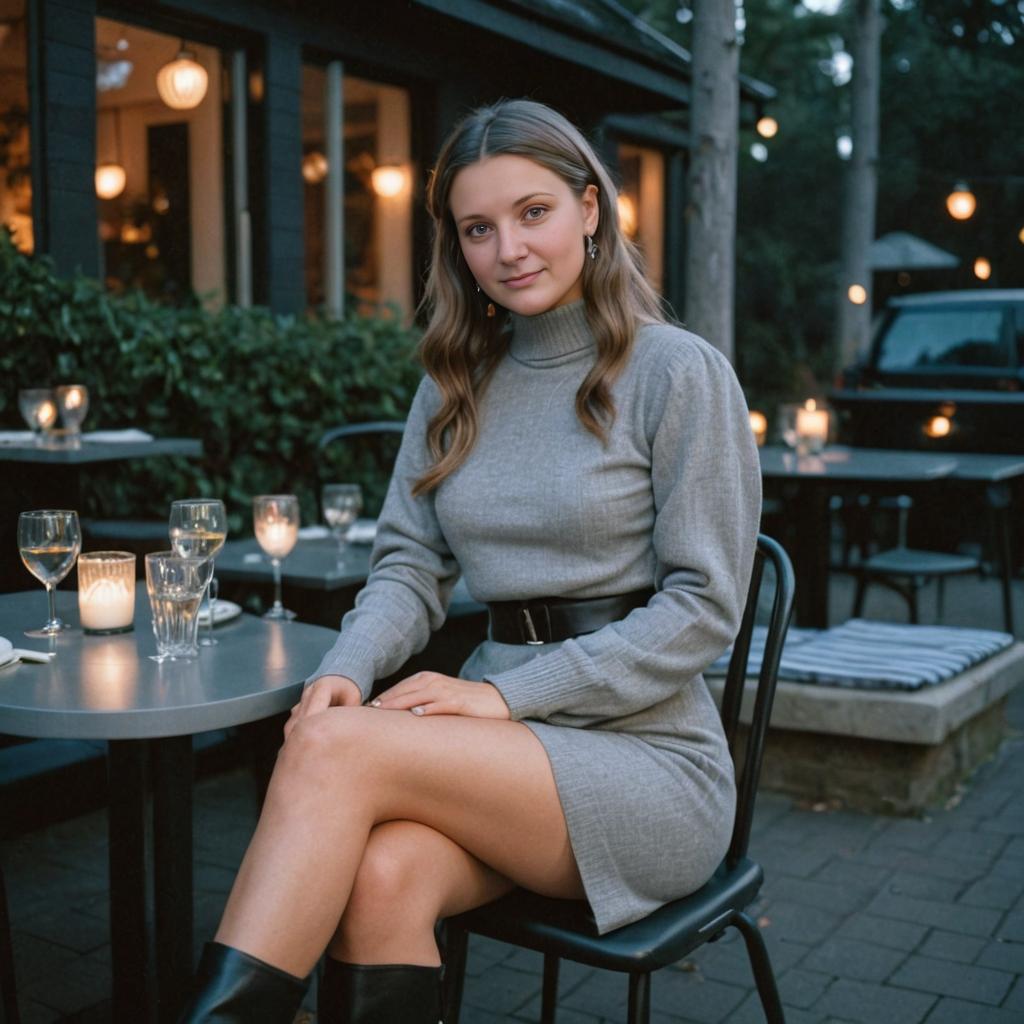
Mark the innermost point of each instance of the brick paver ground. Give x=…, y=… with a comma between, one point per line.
x=868, y=919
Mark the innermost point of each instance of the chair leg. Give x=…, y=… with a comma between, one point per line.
x=639, y=999
x=549, y=994
x=761, y=965
x=456, y=947
x=858, y=597
x=8, y=993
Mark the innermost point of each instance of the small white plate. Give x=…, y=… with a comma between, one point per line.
x=224, y=611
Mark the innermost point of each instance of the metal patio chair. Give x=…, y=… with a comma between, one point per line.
x=564, y=929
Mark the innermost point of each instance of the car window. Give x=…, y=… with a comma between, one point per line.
x=921, y=339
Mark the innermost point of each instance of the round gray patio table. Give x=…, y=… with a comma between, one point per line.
x=106, y=687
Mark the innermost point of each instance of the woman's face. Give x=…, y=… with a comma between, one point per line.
x=521, y=230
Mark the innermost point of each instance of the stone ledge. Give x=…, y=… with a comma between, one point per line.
x=925, y=716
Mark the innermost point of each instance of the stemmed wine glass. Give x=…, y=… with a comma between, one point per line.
x=341, y=505
x=198, y=528
x=49, y=541
x=276, y=521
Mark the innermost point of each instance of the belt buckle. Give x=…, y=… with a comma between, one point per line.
x=530, y=631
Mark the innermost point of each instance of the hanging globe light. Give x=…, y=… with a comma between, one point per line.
x=110, y=180
x=388, y=180
x=314, y=167
x=182, y=82
x=961, y=202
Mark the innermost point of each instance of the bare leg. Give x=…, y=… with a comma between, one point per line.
x=410, y=876
x=483, y=783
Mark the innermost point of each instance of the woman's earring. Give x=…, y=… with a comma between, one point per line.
x=592, y=247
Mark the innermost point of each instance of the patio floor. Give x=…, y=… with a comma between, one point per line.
x=868, y=919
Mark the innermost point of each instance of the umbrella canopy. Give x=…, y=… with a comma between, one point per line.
x=900, y=250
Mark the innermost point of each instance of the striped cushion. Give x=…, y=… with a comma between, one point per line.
x=876, y=655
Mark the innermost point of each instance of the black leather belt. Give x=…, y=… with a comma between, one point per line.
x=547, y=619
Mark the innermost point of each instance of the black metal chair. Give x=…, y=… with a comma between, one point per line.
x=564, y=929
x=8, y=991
x=906, y=570
x=367, y=462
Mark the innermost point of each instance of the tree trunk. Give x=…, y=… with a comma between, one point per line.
x=853, y=320
x=711, y=184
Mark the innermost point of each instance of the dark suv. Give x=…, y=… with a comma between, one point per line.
x=945, y=372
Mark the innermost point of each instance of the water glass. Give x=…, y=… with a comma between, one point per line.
x=49, y=541
x=198, y=528
x=276, y=522
x=175, y=586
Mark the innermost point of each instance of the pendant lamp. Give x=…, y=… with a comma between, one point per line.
x=182, y=81
x=111, y=178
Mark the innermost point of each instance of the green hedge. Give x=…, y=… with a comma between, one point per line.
x=256, y=388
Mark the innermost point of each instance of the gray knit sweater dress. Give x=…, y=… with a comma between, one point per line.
x=541, y=508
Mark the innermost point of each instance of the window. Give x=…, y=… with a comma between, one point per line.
x=376, y=211
x=642, y=206
x=159, y=163
x=15, y=177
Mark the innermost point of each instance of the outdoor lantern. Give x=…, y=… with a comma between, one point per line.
x=110, y=180
x=314, y=167
x=982, y=269
x=767, y=127
x=857, y=294
x=182, y=82
x=387, y=180
x=961, y=202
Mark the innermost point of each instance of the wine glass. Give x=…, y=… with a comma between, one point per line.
x=341, y=505
x=198, y=528
x=49, y=541
x=38, y=407
x=787, y=424
x=276, y=520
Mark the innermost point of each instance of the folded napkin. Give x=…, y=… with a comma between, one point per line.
x=115, y=436
x=313, y=532
x=9, y=654
x=18, y=437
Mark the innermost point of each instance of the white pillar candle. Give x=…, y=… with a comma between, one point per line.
x=811, y=426
x=106, y=591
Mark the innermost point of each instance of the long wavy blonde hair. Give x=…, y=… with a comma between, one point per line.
x=462, y=346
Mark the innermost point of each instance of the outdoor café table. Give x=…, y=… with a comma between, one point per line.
x=106, y=688
x=810, y=479
x=40, y=477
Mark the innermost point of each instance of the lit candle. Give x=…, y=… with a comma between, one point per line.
x=811, y=427
x=106, y=591
x=46, y=414
x=759, y=425
x=73, y=397
x=277, y=536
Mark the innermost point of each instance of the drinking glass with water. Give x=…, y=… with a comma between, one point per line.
x=175, y=586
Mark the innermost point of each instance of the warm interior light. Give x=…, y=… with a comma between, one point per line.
x=1020, y=235
x=110, y=180
x=938, y=426
x=767, y=127
x=388, y=180
x=314, y=167
x=961, y=202
x=759, y=425
x=982, y=269
x=182, y=82
x=627, y=214
x=857, y=294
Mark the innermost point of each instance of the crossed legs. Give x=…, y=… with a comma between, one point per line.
x=377, y=823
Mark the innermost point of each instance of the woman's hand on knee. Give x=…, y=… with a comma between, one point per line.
x=321, y=694
x=430, y=693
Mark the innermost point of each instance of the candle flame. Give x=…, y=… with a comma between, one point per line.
x=810, y=404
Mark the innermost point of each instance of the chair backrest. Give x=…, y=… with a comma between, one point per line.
x=771, y=552
x=369, y=452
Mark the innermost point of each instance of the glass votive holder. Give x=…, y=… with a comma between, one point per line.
x=106, y=591
x=39, y=409
x=73, y=402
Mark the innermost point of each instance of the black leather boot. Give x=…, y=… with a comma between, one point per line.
x=378, y=994
x=235, y=988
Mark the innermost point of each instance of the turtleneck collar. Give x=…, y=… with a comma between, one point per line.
x=551, y=337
